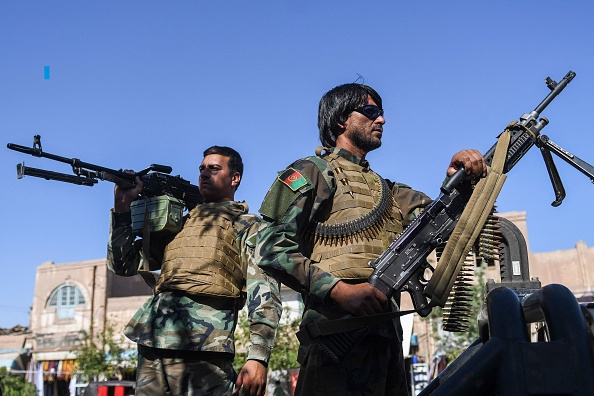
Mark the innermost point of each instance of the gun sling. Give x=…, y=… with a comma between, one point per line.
x=314, y=330
x=469, y=226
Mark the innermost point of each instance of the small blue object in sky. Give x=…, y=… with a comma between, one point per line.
x=46, y=72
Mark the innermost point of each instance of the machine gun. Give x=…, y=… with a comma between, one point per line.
x=164, y=197
x=403, y=265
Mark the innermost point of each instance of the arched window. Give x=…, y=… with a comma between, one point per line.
x=65, y=298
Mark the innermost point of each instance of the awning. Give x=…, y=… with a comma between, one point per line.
x=15, y=360
x=53, y=355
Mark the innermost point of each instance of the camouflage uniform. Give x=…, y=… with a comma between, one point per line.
x=297, y=201
x=175, y=328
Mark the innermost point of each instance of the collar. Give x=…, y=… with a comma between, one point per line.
x=349, y=156
x=236, y=206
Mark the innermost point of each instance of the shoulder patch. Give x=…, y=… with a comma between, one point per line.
x=286, y=188
x=292, y=179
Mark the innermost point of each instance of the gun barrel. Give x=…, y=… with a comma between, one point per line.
x=156, y=179
x=74, y=162
x=37, y=152
x=23, y=149
x=556, y=90
x=522, y=143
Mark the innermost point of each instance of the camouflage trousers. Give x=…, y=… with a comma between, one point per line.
x=375, y=366
x=183, y=373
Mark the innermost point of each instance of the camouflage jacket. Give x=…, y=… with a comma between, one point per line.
x=173, y=320
x=288, y=209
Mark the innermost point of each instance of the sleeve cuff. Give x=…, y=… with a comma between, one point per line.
x=323, y=285
x=259, y=352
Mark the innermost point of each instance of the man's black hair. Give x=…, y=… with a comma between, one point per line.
x=336, y=105
x=235, y=161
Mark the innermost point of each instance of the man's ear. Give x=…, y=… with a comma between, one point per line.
x=235, y=179
x=340, y=130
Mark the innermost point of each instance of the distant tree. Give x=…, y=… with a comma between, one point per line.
x=15, y=384
x=286, y=345
x=101, y=356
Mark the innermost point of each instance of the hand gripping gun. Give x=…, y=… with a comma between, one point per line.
x=403, y=265
x=164, y=195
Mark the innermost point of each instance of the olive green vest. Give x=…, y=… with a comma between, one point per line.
x=203, y=258
x=360, y=223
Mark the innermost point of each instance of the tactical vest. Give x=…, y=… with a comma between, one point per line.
x=362, y=220
x=203, y=258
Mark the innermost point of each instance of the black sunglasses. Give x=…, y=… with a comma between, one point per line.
x=370, y=111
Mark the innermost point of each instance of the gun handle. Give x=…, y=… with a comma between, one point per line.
x=376, y=282
x=453, y=181
x=415, y=287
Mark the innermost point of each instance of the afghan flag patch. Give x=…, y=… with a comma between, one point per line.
x=293, y=179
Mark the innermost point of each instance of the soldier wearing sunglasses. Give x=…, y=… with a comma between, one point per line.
x=324, y=218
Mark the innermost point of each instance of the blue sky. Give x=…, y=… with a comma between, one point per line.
x=138, y=82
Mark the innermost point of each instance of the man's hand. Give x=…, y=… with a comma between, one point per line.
x=123, y=197
x=472, y=161
x=252, y=378
x=360, y=299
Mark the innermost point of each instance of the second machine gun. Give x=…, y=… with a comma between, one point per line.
x=164, y=197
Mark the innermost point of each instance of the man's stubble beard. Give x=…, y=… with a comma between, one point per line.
x=365, y=142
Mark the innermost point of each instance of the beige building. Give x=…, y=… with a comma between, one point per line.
x=73, y=298
x=76, y=297
x=69, y=300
